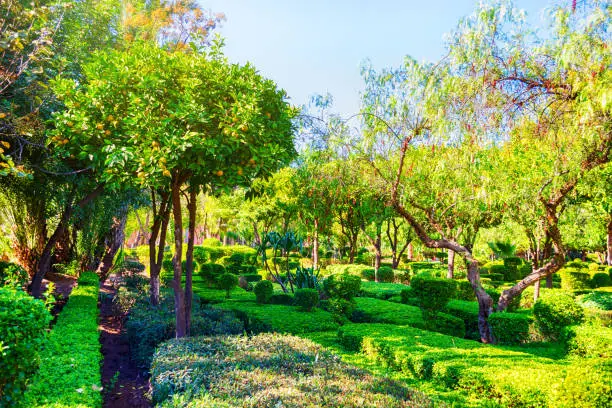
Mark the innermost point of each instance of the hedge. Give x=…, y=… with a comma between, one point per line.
x=381, y=290
x=267, y=370
x=492, y=375
x=23, y=324
x=574, y=279
x=588, y=341
x=510, y=328
x=69, y=374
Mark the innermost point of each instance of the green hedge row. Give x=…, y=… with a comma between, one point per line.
x=493, y=375
x=69, y=374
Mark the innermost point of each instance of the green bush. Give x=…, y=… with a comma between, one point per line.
x=510, y=328
x=268, y=370
x=343, y=286
x=512, y=264
x=306, y=278
x=601, y=279
x=588, y=341
x=432, y=293
x=446, y=324
x=227, y=282
x=380, y=290
x=368, y=274
x=468, y=312
x=340, y=309
x=281, y=299
x=385, y=274
x=554, y=311
x=71, y=358
x=496, y=277
x=306, y=298
x=263, y=291
x=597, y=300
x=251, y=277
x=498, y=269
x=408, y=296
x=464, y=290
x=211, y=242
x=210, y=272
x=23, y=321
x=13, y=275
x=574, y=280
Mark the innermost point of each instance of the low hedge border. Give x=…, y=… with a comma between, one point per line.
x=69, y=374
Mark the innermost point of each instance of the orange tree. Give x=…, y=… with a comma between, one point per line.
x=176, y=122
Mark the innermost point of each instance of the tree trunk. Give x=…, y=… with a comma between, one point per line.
x=114, y=239
x=191, y=207
x=161, y=219
x=451, y=264
x=485, y=303
x=315, y=245
x=410, y=251
x=609, y=246
x=179, y=295
x=256, y=236
x=377, y=255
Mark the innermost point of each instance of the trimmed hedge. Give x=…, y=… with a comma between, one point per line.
x=555, y=310
x=386, y=274
x=380, y=290
x=306, y=298
x=574, y=279
x=432, y=293
x=601, y=279
x=69, y=373
x=464, y=291
x=268, y=370
x=344, y=286
x=588, y=341
x=23, y=324
x=263, y=291
x=468, y=312
x=510, y=328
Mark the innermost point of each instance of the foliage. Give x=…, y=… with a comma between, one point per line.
x=306, y=278
x=341, y=309
x=68, y=378
x=306, y=298
x=601, y=279
x=588, y=341
x=342, y=286
x=273, y=370
x=554, y=311
x=386, y=274
x=574, y=279
x=23, y=324
x=281, y=299
x=510, y=328
x=12, y=275
x=464, y=291
x=381, y=290
x=263, y=291
x=227, y=282
x=432, y=293
x=468, y=312
x=599, y=300
x=408, y=297
x=211, y=272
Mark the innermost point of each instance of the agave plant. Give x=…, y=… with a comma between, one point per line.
x=306, y=278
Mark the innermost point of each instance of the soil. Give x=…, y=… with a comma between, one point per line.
x=124, y=384
x=63, y=287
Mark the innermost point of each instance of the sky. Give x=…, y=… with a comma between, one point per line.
x=313, y=47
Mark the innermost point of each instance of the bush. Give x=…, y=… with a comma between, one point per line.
x=380, y=290
x=71, y=358
x=385, y=274
x=554, y=311
x=306, y=278
x=263, y=291
x=281, y=299
x=251, y=277
x=13, y=275
x=408, y=296
x=588, y=341
x=598, y=300
x=341, y=309
x=574, y=279
x=464, y=291
x=23, y=321
x=368, y=274
x=432, y=293
x=273, y=371
x=306, y=298
x=468, y=312
x=601, y=279
x=211, y=242
x=512, y=264
x=510, y=328
x=343, y=286
x=210, y=272
x=227, y=282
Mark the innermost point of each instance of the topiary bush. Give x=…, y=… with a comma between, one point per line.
x=464, y=290
x=408, y=297
x=446, y=324
x=385, y=274
x=512, y=264
x=281, y=299
x=210, y=272
x=573, y=279
x=341, y=309
x=211, y=242
x=227, y=282
x=368, y=274
x=432, y=293
x=263, y=291
x=601, y=279
x=306, y=298
x=342, y=286
x=23, y=324
x=510, y=328
x=251, y=277
x=555, y=310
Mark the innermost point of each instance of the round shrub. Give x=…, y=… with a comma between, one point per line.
x=341, y=309
x=385, y=274
x=601, y=279
x=263, y=291
x=432, y=293
x=281, y=299
x=574, y=279
x=227, y=282
x=555, y=310
x=210, y=272
x=343, y=286
x=408, y=297
x=23, y=321
x=306, y=298
x=200, y=255
x=368, y=274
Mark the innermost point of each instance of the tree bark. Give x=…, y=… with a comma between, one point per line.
x=451, y=264
x=179, y=295
x=113, y=240
x=410, y=251
x=191, y=208
x=315, y=245
x=159, y=229
x=609, y=243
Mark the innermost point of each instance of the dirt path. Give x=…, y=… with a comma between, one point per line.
x=63, y=287
x=124, y=385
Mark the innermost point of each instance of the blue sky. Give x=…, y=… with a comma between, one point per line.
x=317, y=46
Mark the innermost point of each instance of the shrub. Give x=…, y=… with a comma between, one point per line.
x=464, y=291
x=306, y=298
x=71, y=358
x=385, y=274
x=588, y=341
x=601, y=279
x=598, y=300
x=446, y=324
x=23, y=321
x=468, y=312
x=210, y=272
x=554, y=311
x=512, y=264
x=343, y=286
x=281, y=299
x=251, y=277
x=432, y=293
x=263, y=291
x=368, y=274
x=409, y=297
x=341, y=309
x=498, y=269
x=12, y=275
x=273, y=370
x=211, y=242
x=306, y=278
x=510, y=328
x=227, y=282
x=574, y=279
x=380, y=290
